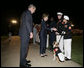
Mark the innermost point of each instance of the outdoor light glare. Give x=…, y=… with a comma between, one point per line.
x=14, y=21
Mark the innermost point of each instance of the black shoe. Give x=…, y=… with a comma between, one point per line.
x=45, y=55
x=67, y=59
x=27, y=65
x=28, y=61
x=42, y=56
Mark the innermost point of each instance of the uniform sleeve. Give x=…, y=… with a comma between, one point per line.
x=68, y=29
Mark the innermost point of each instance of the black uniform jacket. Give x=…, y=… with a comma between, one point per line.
x=67, y=29
x=59, y=26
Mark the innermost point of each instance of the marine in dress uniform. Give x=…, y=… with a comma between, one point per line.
x=67, y=38
x=59, y=27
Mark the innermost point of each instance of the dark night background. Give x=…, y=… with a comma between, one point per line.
x=12, y=9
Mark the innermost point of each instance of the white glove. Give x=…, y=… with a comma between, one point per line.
x=63, y=32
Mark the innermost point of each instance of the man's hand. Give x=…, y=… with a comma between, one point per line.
x=57, y=33
x=31, y=35
x=54, y=29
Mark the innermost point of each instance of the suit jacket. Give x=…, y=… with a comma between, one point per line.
x=26, y=23
x=44, y=28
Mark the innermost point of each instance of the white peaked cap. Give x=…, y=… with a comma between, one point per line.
x=59, y=13
x=66, y=17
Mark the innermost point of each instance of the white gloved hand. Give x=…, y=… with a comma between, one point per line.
x=63, y=32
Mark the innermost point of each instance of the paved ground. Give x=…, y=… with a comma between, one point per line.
x=10, y=52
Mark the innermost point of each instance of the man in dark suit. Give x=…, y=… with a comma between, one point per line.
x=25, y=33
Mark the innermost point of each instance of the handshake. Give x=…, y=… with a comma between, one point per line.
x=53, y=29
